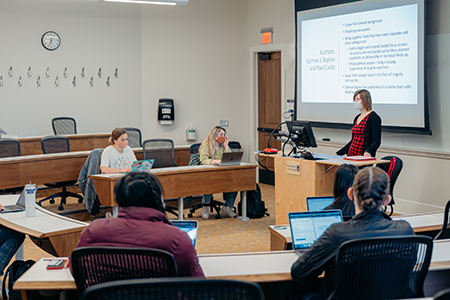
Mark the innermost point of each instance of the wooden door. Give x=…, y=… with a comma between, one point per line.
x=269, y=105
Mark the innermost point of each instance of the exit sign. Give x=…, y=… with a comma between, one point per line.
x=266, y=36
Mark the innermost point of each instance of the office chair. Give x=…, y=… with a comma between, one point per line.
x=235, y=146
x=94, y=265
x=64, y=125
x=177, y=288
x=393, y=169
x=9, y=148
x=442, y=295
x=443, y=234
x=382, y=268
x=162, y=151
x=134, y=137
x=58, y=144
x=214, y=204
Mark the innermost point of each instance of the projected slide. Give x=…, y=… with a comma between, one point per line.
x=372, y=50
x=376, y=45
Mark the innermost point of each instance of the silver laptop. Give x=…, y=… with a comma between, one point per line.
x=318, y=203
x=231, y=158
x=190, y=227
x=307, y=227
x=19, y=206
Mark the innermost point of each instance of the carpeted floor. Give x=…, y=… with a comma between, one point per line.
x=225, y=235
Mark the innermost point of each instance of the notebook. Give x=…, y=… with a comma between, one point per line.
x=318, y=203
x=142, y=165
x=190, y=227
x=307, y=227
x=231, y=158
x=19, y=206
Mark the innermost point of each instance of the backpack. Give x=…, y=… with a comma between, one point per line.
x=14, y=271
x=255, y=206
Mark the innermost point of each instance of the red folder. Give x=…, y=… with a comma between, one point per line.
x=359, y=158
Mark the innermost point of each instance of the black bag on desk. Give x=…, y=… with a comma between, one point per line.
x=256, y=208
x=14, y=271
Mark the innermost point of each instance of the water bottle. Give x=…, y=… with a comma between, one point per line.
x=30, y=200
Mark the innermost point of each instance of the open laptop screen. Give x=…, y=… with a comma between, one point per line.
x=190, y=227
x=318, y=203
x=307, y=227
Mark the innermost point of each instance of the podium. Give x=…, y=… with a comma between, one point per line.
x=296, y=179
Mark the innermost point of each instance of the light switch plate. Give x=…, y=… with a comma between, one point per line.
x=224, y=123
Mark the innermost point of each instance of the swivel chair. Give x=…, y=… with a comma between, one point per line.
x=64, y=125
x=9, y=148
x=134, y=137
x=94, y=265
x=175, y=288
x=58, y=144
x=162, y=151
x=444, y=234
x=393, y=169
x=382, y=268
x=214, y=204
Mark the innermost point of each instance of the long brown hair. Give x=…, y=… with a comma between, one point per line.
x=370, y=188
x=366, y=99
x=210, y=140
x=116, y=134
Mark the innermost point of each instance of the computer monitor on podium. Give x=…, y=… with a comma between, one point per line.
x=301, y=134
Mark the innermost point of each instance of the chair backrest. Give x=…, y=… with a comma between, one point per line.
x=443, y=234
x=442, y=295
x=194, y=158
x=64, y=125
x=382, y=268
x=393, y=169
x=134, y=137
x=161, y=150
x=179, y=288
x=55, y=144
x=235, y=146
x=94, y=265
x=9, y=148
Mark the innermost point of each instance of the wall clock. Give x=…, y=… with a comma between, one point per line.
x=51, y=40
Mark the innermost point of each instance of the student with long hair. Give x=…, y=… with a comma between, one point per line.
x=211, y=151
x=142, y=223
x=343, y=180
x=370, y=191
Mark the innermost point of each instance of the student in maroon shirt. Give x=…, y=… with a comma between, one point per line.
x=366, y=131
x=142, y=223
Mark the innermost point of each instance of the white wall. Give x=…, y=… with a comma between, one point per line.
x=197, y=55
x=93, y=34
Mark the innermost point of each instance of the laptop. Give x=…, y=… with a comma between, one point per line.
x=231, y=158
x=318, y=203
x=19, y=206
x=142, y=165
x=307, y=227
x=190, y=227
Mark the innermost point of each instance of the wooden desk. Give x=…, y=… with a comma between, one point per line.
x=258, y=267
x=296, y=179
x=78, y=142
x=180, y=182
x=57, y=167
x=280, y=235
x=58, y=235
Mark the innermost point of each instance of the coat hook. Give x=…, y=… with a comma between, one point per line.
x=47, y=72
x=74, y=81
x=57, y=81
x=91, y=82
x=20, y=82
x=108, y=81
x=99, y=72
x=116, y=73
x=65, y=72
x=38, y=81
x=10, y=72
x=29, y=71
x=82, y=72
x=1, y=80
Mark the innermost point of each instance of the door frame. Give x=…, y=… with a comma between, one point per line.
x=286, y=59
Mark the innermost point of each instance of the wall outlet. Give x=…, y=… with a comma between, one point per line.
x=224, y=123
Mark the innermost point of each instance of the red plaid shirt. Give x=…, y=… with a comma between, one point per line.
x=358, y=138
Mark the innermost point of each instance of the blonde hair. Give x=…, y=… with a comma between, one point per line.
x=210, y=140
x=366, y=99
x=370, y=188
x=116, y=134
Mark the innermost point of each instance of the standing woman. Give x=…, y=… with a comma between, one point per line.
x=118, y=157
x=366, y=131
x=211, y=151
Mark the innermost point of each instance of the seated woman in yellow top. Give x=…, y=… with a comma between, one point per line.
x=211, y=151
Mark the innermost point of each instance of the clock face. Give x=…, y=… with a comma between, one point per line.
x=51, y=40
